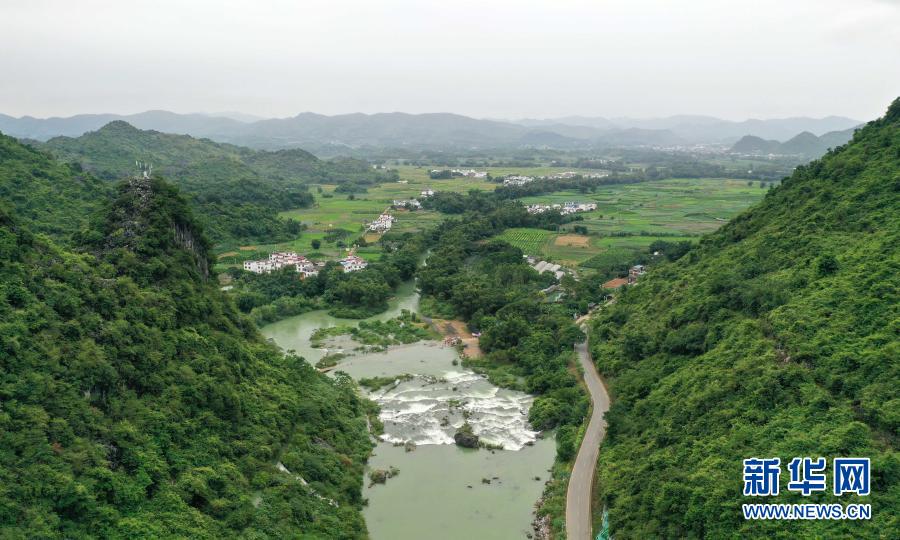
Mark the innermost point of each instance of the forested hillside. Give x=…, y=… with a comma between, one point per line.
x=777, y=336
x=54, y=198
x=237, y=192
x=136, y=402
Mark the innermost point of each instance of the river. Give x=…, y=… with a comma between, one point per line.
x=442, y=490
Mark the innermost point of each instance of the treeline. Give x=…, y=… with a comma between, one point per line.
x=498, y=206
x=577, y=183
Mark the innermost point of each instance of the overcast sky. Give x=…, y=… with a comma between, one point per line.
x=485, y=58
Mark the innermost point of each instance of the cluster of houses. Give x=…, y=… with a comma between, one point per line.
x=305, y=267
x=564, y=209
x=280, y=259
x=634, y=273
x=412, y=204
x=544, y=266
x=519, y=180
x=572, y=174
x=352, y=263
x=382, y=223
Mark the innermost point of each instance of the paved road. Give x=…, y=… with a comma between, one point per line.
x=578, y=496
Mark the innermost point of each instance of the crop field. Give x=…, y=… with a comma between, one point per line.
x=675, y=206
x=579, y=250
x=530, y=241
x=631, y=217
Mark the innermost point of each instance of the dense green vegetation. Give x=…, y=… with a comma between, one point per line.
x=236, y=192
x=54, y=198
x=775, y=337
x=379, y=335
x=135, y=400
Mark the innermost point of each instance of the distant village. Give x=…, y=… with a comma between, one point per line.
x=564, y=208
x=456, y=173
x=519, y=180
x=305, y=267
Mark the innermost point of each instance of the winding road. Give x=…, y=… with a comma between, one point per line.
x=578, y=496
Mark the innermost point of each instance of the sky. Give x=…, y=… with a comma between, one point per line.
x=733, y=59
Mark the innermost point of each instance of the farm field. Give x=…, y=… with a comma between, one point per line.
x=672, y=209
x=560, y=247
x=686, y=206
x=630, y=217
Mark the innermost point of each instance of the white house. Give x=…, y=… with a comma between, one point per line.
x=279, y=260
x=352, y=263
x=407, y=203
x=382, y=224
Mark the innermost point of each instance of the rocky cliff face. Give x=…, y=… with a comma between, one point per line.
x=150, y=220
x=184, y=237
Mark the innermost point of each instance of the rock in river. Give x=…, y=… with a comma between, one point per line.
x=465, y=438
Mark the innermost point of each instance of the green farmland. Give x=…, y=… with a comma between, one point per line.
x=629, y=217
x=675, y=206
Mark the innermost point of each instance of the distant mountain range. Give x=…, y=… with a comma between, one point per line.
x=803, y=144
x=707, y=129
x=435, y=131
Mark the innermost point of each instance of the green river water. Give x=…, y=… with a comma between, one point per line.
x=440, y=491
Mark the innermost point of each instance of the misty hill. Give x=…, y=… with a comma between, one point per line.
x=804, y=144
x=137, y=401
x=330, y=134
x=776, y=336
x=237, y=192
x=708, y=129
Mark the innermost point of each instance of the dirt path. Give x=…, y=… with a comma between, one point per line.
x=455, y=328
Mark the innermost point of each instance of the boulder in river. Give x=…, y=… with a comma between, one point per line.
x=465, y=437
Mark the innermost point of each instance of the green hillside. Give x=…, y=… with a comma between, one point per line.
x=136, y=402
x=237, y=192
x=53, y=198
x=777, y=336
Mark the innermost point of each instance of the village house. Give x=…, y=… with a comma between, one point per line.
x=635, y=272
x=516, y=180
x=469, y=173
x=281, y=259
x=412, y=204
x=427, y=192
x=352, y=263
x=383, y=223
x=564, y=209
